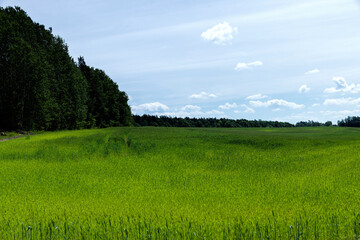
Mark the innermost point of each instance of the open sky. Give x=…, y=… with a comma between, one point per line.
x=282, y=60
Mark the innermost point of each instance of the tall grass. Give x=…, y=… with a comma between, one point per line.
x=170, y=183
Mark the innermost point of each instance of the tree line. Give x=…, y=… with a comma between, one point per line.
x=313, y=124
x=43, y=88
x=166, y=121
x=349, y=122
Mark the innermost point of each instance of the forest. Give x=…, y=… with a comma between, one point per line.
x=165, y=121
x=350, y=122
x=43, y=88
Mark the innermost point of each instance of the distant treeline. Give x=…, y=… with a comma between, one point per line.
x=165, y=121
x=349, y=122
x=313, y=124
x=41, y=86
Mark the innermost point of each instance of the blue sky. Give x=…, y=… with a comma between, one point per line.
x=275, y=60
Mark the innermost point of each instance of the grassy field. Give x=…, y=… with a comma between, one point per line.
x=171, y=183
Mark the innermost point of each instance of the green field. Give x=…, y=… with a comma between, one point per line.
x=172, y=183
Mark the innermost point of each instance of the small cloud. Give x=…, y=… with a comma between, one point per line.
x=242, y=66
x=341, y=113
x=214, y=112
x=277, y=102
x=228, y=106
x=276, y=110
x=256, y=97
x=193, y=108
x=154, y=106
x=304, y=89
x=178, y=114
x=174, y=114
x=220, y=34
x=342, y=101
x=343, y=86
x=196, y=114
x=314, y=71
x=316, y=105
x=248, y=109
x=203, y=95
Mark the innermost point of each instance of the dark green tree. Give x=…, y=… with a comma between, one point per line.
x=107, y=105
x=42, y=87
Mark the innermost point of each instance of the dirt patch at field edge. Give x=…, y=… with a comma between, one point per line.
x=11, y=138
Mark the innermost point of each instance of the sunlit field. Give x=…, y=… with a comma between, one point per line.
x=182, y=183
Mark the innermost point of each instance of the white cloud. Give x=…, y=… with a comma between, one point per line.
x=276, y=110
x=277, y=102
x=228, y=106
x=220, y=34
x=304, y=89
x=341, y=113
x=242, y=66
x=179, y=114
x=314, y=71
x=191, y=108
x=154, y=106
x=316, y=105
x=256, y=97
x=197, y=114
x=248, y=109
x=203, y=95
x=342, y=101
x=343, y=86
x=296, y=117
x=214, y=112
